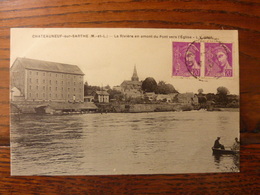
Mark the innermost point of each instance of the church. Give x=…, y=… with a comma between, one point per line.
x=132, y=88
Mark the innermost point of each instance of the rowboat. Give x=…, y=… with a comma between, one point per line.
x=224, y=151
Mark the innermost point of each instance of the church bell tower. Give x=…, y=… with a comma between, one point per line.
x=135, y=76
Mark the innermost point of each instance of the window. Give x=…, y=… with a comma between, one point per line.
x=56, y=95
x=56, y=88
x=30, y=94
x=30, y=72
x=30, y=80
x=36, y=94
x=50, y=88
x=62, y=82
x=43, y=94
x=37, y=80
x=43, y=87
x=43, y=74
x=74, y=83
x=74, y=89
x=56, y=82
x=50, y=94
x=62, y=89
x=68, y=89
x=37, y=87
x=36, y=73
x=43, y=81
x=30, y=87
x=56, y=75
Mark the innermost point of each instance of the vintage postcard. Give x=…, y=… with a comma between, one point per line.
x=105, y=101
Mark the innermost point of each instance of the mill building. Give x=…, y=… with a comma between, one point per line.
x=38, y=80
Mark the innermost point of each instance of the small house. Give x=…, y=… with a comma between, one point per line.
x=101, y=96
x=151, y=96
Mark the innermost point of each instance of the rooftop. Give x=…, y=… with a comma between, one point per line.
x=41, y=65
x=102, y=93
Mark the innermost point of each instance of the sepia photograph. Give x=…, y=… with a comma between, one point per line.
x=120, y=101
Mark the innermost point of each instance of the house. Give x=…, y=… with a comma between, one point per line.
x=187, y=98
x=151, y=96
x=166, y=97
x=101, y=96
x=15, y=93
x=163, y=98
x=38, y=80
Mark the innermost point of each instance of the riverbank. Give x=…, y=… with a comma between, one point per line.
x=229, y=109
x=86, y=107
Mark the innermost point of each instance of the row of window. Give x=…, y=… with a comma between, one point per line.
x=50, y=82
x=50, y=95
x=56, y=74
x=56, y=88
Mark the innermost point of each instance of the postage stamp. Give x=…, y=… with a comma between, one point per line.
x=218, y=60
x=186, y=59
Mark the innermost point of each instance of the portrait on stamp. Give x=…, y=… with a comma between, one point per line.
x=186, y=59
x=218, y=60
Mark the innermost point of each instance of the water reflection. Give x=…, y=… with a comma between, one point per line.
x=227, y=162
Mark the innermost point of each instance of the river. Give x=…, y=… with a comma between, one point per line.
x=122, y=143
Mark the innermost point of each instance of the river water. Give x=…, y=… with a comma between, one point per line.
x=122, y=143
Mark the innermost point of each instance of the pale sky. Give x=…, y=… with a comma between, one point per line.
x=107, y=59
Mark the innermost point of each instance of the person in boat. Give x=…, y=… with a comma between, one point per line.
x=218, y=145
x=236, y=145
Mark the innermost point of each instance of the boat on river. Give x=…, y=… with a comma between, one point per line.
x=224, y=151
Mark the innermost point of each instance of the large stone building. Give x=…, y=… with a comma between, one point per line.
x=132, y=88
x=37, y=80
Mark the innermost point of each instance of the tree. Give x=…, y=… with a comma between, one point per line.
x=200, y=91
x=115, y=94
x=210, y=96
x=202, y=99
x=107, y=87
x=222, y=95
x=88, y=89
x=171, y=89
x=222, y=91
x=163, y=88
x=149, y=85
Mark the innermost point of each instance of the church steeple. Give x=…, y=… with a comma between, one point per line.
x=135, y=76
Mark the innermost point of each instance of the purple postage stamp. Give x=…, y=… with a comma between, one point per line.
x=186, y=59
x=218, y=60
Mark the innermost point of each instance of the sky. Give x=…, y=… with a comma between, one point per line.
x=108, y=56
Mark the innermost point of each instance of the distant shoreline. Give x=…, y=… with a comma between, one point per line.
x=230, y=109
